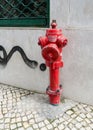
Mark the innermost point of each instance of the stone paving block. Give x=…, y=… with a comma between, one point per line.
x=79, y=119
x=66, y=117
x=30, y=128
x=24, y=118
x=87, y=120
x=84, y=123
x=28, y=112
x=70, y=125
x=19, y=119
x=41, y=124
x=46, y=121
x=56, y=129
x=30, y=116
x=35, y=126
x=78, y=125
x=89, y=116
x=73, y=115
x=13, y=126
x=61, y=127
x=49, y=127
x=1, y=121
x=69, y=120
x=88, y=128
x=69, y=112
x=6, y=126
x=25, y=124
x=61, y=119
x=19, y=124
x=54, y=124
x=67, y=128
x=82, y=115
x=91, y=125
x=39, y=119
x=75, y=109
x=74, y=121
x=74, y=128
x=88, y=109
x=7, y=120
x=21, y=128
x=82, y=128
x=65, y=123
x=44, y=128
x=32, y=121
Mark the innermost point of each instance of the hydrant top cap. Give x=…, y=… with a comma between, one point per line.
x=53, y=24
x=53, y=30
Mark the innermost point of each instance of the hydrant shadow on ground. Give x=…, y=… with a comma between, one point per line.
x=51, y=45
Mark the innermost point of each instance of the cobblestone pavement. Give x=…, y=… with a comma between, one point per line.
x=25, y=110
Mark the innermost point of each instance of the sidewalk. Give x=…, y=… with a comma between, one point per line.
x=25, y=110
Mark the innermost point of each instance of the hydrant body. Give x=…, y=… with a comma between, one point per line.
x=52, y=45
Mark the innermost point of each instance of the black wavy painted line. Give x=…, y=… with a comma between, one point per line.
x=6, y=57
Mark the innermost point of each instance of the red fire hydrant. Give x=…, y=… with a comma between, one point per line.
x=52, y=45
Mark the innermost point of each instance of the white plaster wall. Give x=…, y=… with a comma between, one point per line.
x=76, y=19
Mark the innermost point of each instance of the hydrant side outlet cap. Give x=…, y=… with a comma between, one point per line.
x=50, y=52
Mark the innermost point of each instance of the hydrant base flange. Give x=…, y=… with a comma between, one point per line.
x=54, y=96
